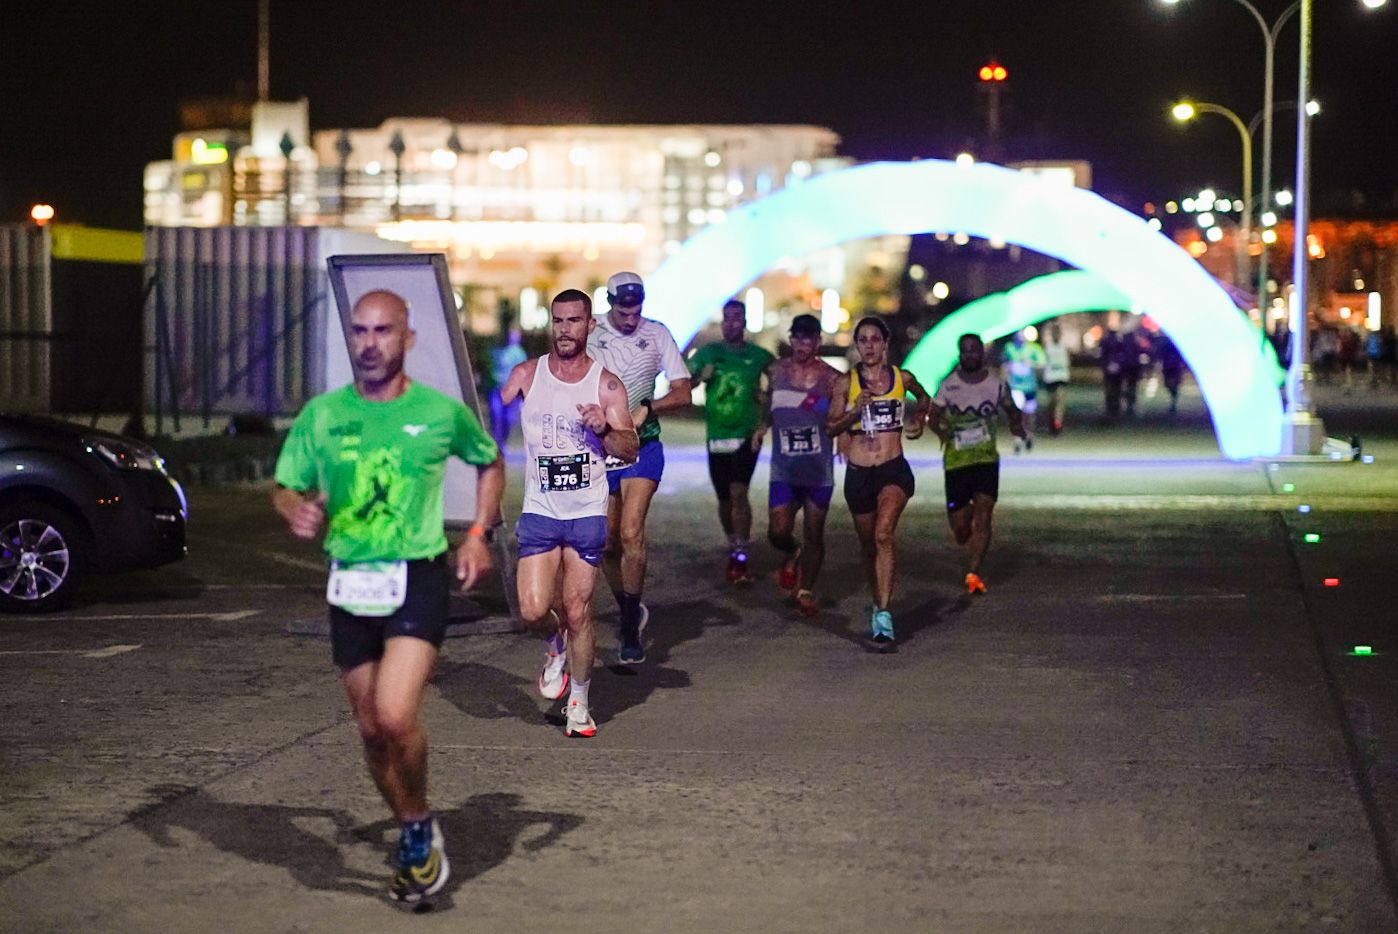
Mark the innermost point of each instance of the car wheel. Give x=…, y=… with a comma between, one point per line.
x=41, y=557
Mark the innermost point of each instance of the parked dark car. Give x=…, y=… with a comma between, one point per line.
x=74, y=499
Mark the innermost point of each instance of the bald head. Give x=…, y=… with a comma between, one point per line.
x=380, y=336
x=390, y=302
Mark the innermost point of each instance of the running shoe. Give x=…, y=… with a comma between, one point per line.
x=741, y=575
x=422, y=862
x=974, y=585
x=735, y=568
x=789, y=576
x=579, y=722
x=1029, y=444
x=633, y=651
x=806, y=603
x=881, y=639
x=553, y=680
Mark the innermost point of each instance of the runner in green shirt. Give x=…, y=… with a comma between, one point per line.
x=734, y=373
x=370, y=458
x=964, y=414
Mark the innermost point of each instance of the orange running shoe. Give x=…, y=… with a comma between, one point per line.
x=789, y=576
x=974, y=584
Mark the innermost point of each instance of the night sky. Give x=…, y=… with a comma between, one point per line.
x=88, y=92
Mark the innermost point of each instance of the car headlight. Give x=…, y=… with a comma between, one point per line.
x=126, y=456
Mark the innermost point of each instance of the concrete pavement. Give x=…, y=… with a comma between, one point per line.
x=1154, y=722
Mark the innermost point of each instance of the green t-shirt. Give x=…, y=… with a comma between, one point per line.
x=730, y=389
x=381, y=465
x=1023, y=365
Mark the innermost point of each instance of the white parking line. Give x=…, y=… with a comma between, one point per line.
x=108, y=652
x=230, y=617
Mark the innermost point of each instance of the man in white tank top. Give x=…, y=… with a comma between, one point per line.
x=574, y=415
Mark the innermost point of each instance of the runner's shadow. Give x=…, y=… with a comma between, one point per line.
x=487, y=693
x=269, y=834
x=671, y=626
x=481, y=834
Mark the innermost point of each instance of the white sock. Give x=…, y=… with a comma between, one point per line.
x=579, y=691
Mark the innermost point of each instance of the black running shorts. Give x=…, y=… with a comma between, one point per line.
x=863, y=484
x=964, y=483
x=355, y=640
x=727, y=469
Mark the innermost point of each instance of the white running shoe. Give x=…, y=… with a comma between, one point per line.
x=579, y=721
x=553, y=680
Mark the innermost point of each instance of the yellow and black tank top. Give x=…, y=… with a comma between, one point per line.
x=886, y=412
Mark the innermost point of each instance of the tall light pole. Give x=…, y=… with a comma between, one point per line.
x=1185, y=111
x=1303, y=433
x=1270, y=32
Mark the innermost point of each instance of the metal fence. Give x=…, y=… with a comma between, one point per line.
x=235, y=321
x=26, y=318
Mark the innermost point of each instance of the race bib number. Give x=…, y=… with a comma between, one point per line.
x=563, y=473
x=370, y=588
x=883, y=415
x=970, y=437
x=795, y=442
x=726, y=445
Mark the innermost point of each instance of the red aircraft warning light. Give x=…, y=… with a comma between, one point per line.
x=993, y=72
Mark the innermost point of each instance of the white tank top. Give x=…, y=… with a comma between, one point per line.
x=564, y=474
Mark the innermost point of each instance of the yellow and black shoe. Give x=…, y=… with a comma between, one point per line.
x=422, y=862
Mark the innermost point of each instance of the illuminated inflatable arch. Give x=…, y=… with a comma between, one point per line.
x=982, y=200
x=1001, y=314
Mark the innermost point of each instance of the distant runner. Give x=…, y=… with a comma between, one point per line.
x=802, y=476
x=1057, y=374
x=637, y=350
x=574, y=415
x=870, y=402
x=1024, y=361
x=735, y=401
x=371, y=458
x=964, y=415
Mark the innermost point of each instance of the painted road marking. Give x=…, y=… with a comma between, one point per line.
x=108, y=652
x=230, y=617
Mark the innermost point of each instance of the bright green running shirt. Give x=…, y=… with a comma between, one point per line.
x=382, y=465
x=730, y=389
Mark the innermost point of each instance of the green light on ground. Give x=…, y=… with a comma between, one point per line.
x=1363, y=650
x=1288, y=488
x=1312, y=538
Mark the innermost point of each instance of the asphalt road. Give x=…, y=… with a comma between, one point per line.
x=1155, y=721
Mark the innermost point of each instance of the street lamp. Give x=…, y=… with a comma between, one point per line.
x=1269, y=40
x=1185, y=111
x=1301, y=422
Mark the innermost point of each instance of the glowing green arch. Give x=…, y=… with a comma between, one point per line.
x=1002, y=313
x=1075, y=226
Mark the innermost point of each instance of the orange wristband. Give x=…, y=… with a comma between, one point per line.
x=476, y=531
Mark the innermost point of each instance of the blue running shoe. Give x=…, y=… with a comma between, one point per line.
x=422, y=862
x=881, y=637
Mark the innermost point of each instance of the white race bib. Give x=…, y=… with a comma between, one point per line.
x=798, y=441
x=565, y=473
x=726, y=445
x=970, y=437
x=369, y=588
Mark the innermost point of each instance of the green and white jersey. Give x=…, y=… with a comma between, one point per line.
x=973, y=413
x=381, y=465
x=731, y=410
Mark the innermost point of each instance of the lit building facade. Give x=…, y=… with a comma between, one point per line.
x=519, y=210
